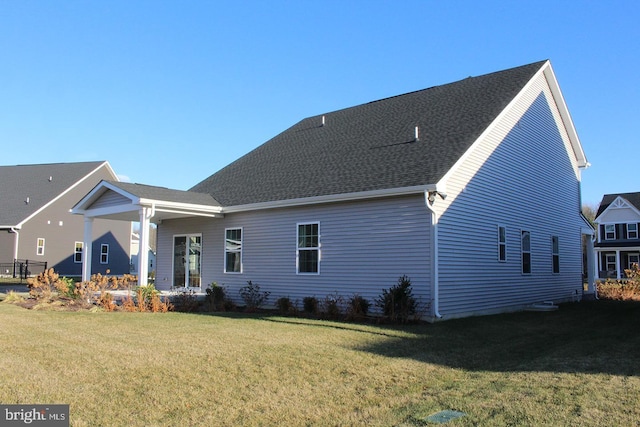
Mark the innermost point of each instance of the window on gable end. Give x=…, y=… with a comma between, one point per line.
x=40, y=246
x=555, y=254
x=502, y=243
x=77, y=254
x=104, y=253
x=526, y=251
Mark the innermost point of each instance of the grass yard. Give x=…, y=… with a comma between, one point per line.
x=576, y=366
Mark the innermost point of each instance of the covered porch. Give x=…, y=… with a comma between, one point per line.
x=139, y=203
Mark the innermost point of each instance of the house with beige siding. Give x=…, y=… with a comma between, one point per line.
x=472, y=189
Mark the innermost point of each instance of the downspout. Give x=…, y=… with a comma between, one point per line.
x=15, y=243
x=595, y=273
x=429, y=199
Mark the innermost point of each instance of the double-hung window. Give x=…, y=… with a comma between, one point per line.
x=526, y=252
x=609, y=232
x=632, y=230
x=104, y=253
x=308, y=254
x=77, y=254
x=233, y=250
x=555, y=254
x=502, y=243
x=40, y=246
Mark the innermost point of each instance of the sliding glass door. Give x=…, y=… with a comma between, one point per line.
x=187, y=251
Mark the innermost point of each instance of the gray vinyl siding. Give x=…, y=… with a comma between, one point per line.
x=529, y=182
x=365, y=247
x=108, y=199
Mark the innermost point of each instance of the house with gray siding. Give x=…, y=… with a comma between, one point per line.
x=472, y=189
x=36, y=223
x=618, y=244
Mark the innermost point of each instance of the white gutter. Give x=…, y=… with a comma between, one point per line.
x=429, y=199
x=15, y=243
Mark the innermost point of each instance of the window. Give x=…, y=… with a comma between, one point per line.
x=502, y=243
x=40, y=246
x=308, y=248
x=526, y=252
x=609, y=232
x=104, y=253
x=632, y=231
x=77, y=255
x=233, y=250
x=611, y=262
x=555, y=254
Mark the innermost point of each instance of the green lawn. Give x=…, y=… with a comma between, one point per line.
x=577, y=366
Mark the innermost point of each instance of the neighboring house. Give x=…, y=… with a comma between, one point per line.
x=135, y=250
x=618, y=245
x=472, y=189
x=36, y=223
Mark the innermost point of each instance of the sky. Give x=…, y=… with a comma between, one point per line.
x=169, y=92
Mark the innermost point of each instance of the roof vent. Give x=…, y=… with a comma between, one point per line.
x=50, y=178
x=322, y=121
x=26, y=201
x=417, y=134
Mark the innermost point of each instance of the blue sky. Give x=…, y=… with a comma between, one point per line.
x=171, y=91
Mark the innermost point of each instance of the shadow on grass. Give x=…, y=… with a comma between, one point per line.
x=587, y=337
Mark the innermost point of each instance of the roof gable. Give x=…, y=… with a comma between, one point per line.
x=373, y=146
x=27, y=189
x=619, y=208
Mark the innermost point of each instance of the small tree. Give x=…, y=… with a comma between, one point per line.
x=252, y=296
x=397, y=302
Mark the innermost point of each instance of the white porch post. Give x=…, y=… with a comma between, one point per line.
x=618, y=275
x=87, y=249
x=143, y=252
x=591, y=267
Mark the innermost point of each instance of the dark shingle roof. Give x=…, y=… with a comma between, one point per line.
x=607, y=199
x=165, y=194
x=371, y=146
x=17, y=183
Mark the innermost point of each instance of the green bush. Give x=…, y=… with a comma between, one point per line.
x=358, y=307
x=216, y=298
x=332, y=306
x=397, y=303
x=285, y=306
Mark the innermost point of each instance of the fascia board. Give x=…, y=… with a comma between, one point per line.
x=165, y=204
x=566, y=115
x=46, y=205
x=111, y=210
x=96, y=192
x=332, y=198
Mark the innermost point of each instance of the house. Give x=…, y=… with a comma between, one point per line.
x=472, y=189
x=36, y=223
x=618, y=244
x=135, y=251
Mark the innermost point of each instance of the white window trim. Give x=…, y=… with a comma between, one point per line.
x=629, y=233
x=298, y=249
x=605, y=231
x=39, y=247
x=500, y=244
x=607, y=263
x=76, y=252
x=241, y=250
x=102, y=246
x=522, y=252
x=555, y=254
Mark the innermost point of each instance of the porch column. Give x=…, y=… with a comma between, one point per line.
x=592, y=268
x=143, y=252
x=618, y=275
x=87, y=249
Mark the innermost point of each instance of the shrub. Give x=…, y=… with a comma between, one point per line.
x=285, y=306
x=185, y=301
x=310, y=305
x=397, y=303
x=624, y=290
x=358, y=307
x=216, y=298
x=332, y=306
x=252, y=296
